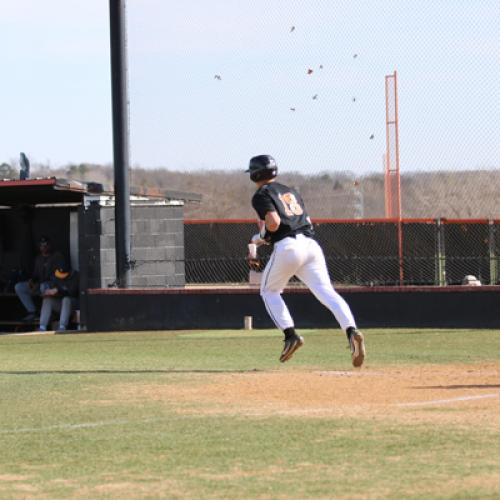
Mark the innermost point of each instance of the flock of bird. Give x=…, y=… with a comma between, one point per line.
x=310, y=71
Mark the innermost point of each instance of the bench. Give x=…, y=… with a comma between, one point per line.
x=12, y=312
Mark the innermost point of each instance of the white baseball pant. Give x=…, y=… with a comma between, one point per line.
x=302, y=257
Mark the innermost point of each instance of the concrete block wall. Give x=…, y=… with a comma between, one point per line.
x=89, y=242
x=157, y=246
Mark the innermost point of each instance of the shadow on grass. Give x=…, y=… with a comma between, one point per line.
x=92, y=372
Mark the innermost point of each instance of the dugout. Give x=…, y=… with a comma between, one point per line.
x=79, y=219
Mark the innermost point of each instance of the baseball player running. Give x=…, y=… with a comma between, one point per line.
x=286, y=225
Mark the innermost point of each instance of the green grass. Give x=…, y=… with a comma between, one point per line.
x=65, y=433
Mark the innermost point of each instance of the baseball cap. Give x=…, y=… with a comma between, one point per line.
x=44, y=240
x=62, y=271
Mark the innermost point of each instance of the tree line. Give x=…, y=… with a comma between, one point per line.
x=339, y=195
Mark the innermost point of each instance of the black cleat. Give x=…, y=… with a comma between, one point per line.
x=292, y=343
x=357, y=346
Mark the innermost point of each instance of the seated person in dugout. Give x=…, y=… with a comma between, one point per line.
x=45, y=264
x=61, y=296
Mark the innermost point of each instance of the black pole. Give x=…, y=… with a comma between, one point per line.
x=120, y=140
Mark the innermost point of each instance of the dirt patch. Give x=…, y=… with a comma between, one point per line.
x=12, y=477
x=451, y=393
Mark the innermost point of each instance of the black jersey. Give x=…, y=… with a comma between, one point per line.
x=276, y=197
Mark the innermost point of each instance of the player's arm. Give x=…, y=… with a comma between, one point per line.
x=270, y=224
x=273, y=221
x=268, y=220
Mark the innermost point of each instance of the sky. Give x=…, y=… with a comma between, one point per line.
x=212, y=83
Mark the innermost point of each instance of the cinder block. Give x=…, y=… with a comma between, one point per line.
x=176, y=213
x=179, y=268
x=141, y=226
x=164, y=226
x=146, y=268
x=108, y=241
x=108, y=227
x=155, y=254
x=156, y=281
x=170, y=253
x=108, y=256
x=139, y=254
x=176, y=280
x=157, y=226
x=139, y=281
x=108, y=281
x=174, y=226
x=164, y=240
x=107, y=214
x=179, y=239
x=108, y=269
x=179, y=253
x=143, y=240
x=140, y=212
x=174, y=253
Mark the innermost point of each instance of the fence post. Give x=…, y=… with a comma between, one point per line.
x=400, y=252
x=440, y=266
x=492, y=253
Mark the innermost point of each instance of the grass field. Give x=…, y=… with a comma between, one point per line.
x=214, y=415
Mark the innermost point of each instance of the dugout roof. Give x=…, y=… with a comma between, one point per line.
x=53, y=191
x=49, y=190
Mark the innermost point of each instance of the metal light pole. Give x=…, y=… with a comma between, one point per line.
x=120, y=140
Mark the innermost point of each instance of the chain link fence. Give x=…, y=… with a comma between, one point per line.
x=358, y=252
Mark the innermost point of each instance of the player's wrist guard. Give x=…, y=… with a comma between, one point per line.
x=258, y=240
x=265, y=235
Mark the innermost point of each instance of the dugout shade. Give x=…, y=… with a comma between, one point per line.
x=79, y=219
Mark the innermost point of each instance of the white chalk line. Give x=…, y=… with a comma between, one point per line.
x=102, y=423
x=27, y=334
x=451, y=400
x=83, y=425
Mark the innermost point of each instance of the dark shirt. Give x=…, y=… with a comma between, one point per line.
x=45, y=266
x=67, y=287
x=287, y=202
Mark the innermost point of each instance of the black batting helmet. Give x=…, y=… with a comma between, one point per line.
x=262, y=168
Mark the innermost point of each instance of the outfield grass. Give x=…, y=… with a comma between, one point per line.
x=124, y=416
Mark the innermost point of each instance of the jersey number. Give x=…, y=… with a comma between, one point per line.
x=290, y=204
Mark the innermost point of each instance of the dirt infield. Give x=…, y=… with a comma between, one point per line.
x=462, y=394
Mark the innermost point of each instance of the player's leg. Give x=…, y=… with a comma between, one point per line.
x=66, y=310
x=314, y=273
x=278, y=271
x=23, y=291
x=48, y=305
